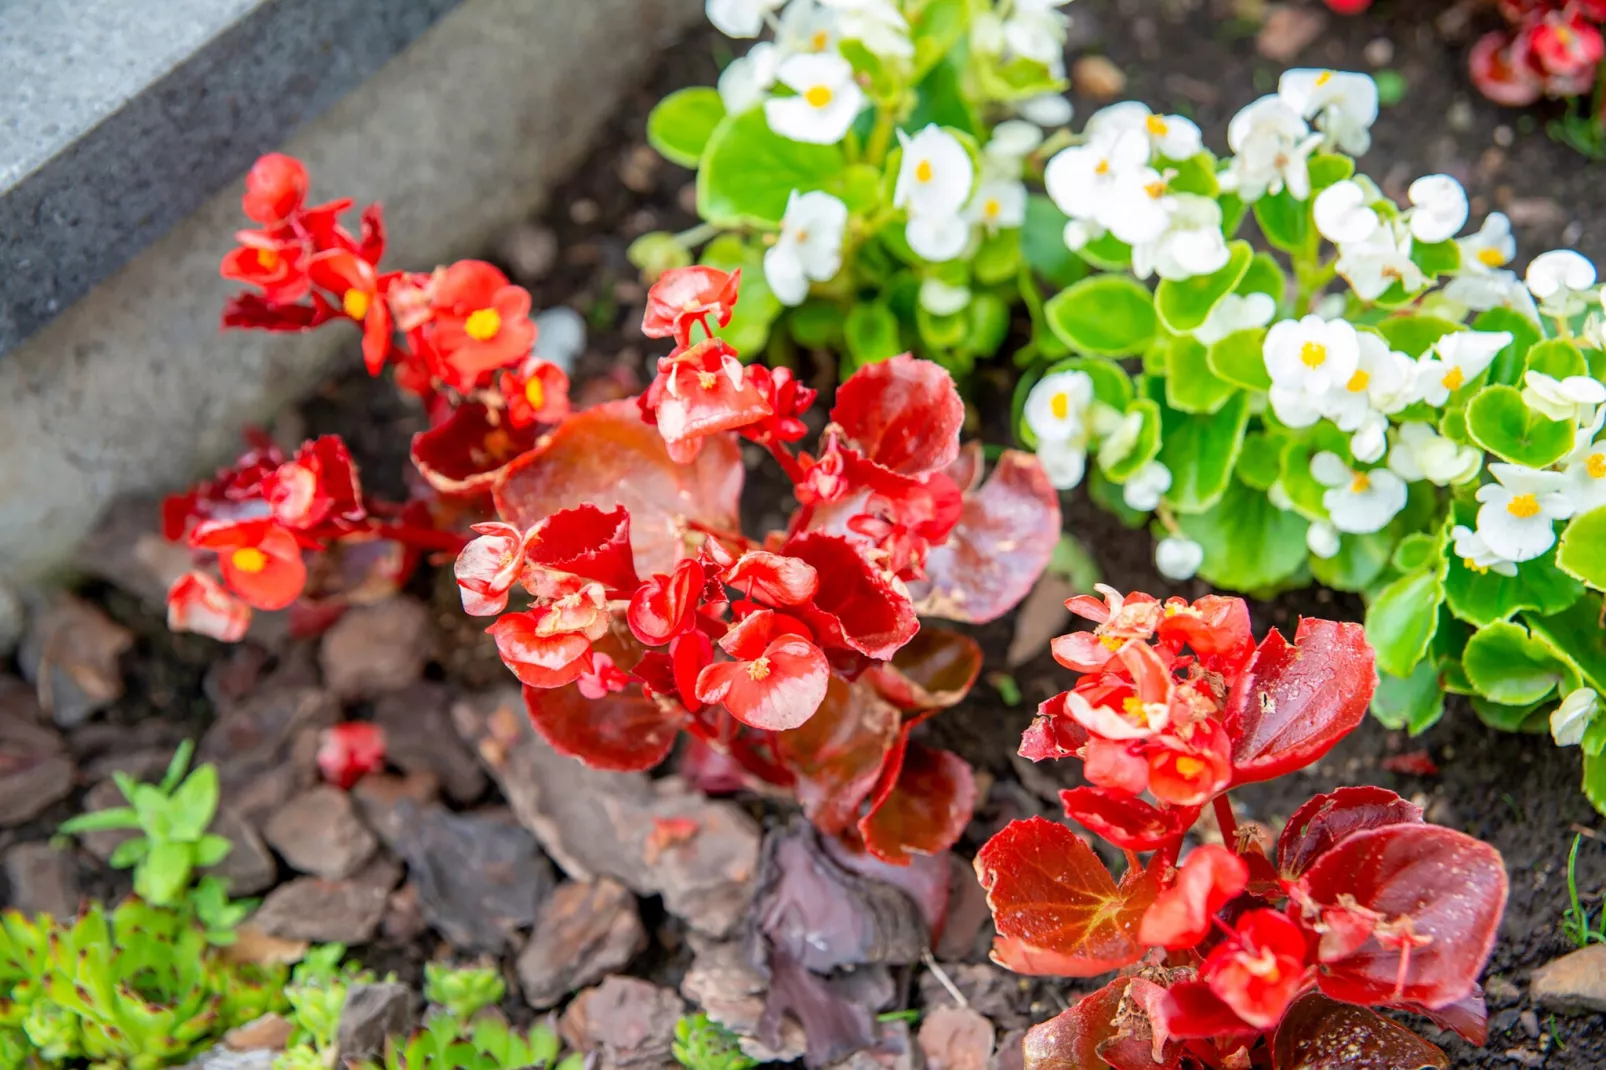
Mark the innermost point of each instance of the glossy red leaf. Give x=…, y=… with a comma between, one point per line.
x=1129, y=823
x=1326, y=819
x=623, y=730
x=1180, y=916
x=1467, y=1016
x=1294, y=703
x=837, y=754
x=854, y=606
x=1095, y=1034
x=902, y=413
x=934, y=670
x=1319, y=1033
x=1437, y=896
x=1007, y=532
x=586, y=541
x=467, y=452
x=1057, y=909
x=608, y=457
x=927, y=809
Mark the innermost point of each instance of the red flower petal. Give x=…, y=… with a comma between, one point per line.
x=903, y=413
x=1191, y=1010
x=1260, y=968
x=1216, y=629
x=1129, y=823
x=1054, y=733
x=687, y=296
x=926, y=811
x=666, y=606
x=838, y=753
x=779, y=689
x=1325, y=820
x=539, y=660
x=855, y=606
x=198, y=603
x=587, y=542
x=350, y=751
x=1180, y=917
x=773, y=579
x=274, y=188
x=1501, y=69
x=487, y=568
x=260, y=561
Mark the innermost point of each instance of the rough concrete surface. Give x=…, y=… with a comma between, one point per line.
x=136, y=389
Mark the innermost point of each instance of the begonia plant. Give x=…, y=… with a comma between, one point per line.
x=1246, y=952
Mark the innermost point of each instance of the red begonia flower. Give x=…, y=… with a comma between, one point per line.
x=273, y=264
x=773, y=579
x=602, y=679
x=488, y=567
x=1117, y=766
x=778, y=678
x=1260, y=968
x=687, y=296
x=665, y=606
x=788, y=401
x=252, y=311
x=1215, y=628
x=350, y=751
x=1118, y=618
x=587, y=542
x=1191, y=772
x=482, y=322
x=198, y=603
x=319, y=484
x=689, y=655
x=1180, y=916
x=1502, y=68
x=537, y=392
x=353, y=278
x=540, y=658
x=1567, y=48
x=1053, y=733
x=1145, y=708
x=904, y=414
x=699, y=392
x=275, y=188
x=260, y=560
x=1349, y=7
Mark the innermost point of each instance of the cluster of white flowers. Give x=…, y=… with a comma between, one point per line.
x=1063, y=413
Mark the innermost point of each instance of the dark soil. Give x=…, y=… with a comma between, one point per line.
x=1518, y=792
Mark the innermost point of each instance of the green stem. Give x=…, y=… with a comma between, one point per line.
x=696, y=235
x=875, y=150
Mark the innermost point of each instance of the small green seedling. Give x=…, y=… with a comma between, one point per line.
x=702, y=1044
x=463, y=992
x=1576, y=922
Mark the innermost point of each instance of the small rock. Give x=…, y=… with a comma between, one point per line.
x=1379, y=52
x=319, y=832
x=1098, y=77
x=953, y=1038
x=419, y=739
x=992, y=992
x=375, y=649
x=639, y=169
x=372, y=1013
x=1011, y=1051
x=253, y=945
x=724, y=983
x=322, y=911
x=530, y=251
x=35, y=769
x=479, y=876
x=1530, y=1024
x=1042, y=617
x=249, y=868
x=404, y=918
x=584, y=932
x=70, y=654
x=968, y=914
x=126, y=550
x=1535, y=212
x=43, y=880
x=13, y=620
x=1288, y=31
x=379, y=795
x=630, y=1022
x=891, y=1049
x=1572, y=984
x=266, y=748
x=271, y=1031
x=221, y=1058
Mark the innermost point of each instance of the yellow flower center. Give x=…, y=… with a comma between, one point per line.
x=267, y=259
x=818, y=96
x=1358, y=382
x=1111, y=642
x=1155, y=190
x=706, y=380
x=1595, y=465
x=1523, y=506
x=1360, y=484
x=1103, y=168
x=535, y=393
x=1323, y=78
x=1564, y=36
x=1454, y=378
x=1489, y=256
x=1134, y=710
x=1313, y=355
x=820, y=39
x=1189, y=767
x=483, y=323
x=991, y=208
x=924, y=171
x=759, y=669
x=1157, y=126
x=355, y=302
x=1060, y=405
x=249, y=559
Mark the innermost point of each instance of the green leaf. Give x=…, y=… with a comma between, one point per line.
x=1249, y=543
x=748, y=172
x=1260, y=461
x=1303, y=489
x=1415, y=335
x=1401, y=620
x=758, y=309
x=1185, y=305
x=1509, y=667
x=816, y=324
x=1557, y=358
x=871, y=334
x=1144, y=449
x=1199, y=450
x=1265, y=276
x=1499, y=421
x=1505, y=718
x=876, y=77
x=942, y=332
x=1329, y=169
x=193, y=804
x=129, y=853
x=1284, y=221
x=682, y=123
x=176, y=766
x=989, y=324
x=1360, y=560
x=1107, y=315
x=1414, y=702
x=1595, y=780
x=1414, y=551
x=1575, y=635
x=118, y=817
x=1240, y=359
x=998, y=258
x=162, y=876
x=1508, y=363
x=1043, y=243
x=1190, y=385
x=1482, y=598
x=211, y=849
x=1436, y=258
x=1582, y=553
x=1108, y=496
x=1196, y=174
x=1107, y=253
x=942, y=100
x=154, y=815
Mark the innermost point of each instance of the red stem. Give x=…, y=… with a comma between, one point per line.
x=428, y=539
x=783, y=456
x=1227, y=821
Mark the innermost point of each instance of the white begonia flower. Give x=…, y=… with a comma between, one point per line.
x=1456, y=359
x=1322, y=539
x=809, y=247
x=1383, y=382
x=747, y=80
x=1236, y=312
x=1570, y=719
x=1482, y=291
x=1438, y=208
x=1140, y=208
x=1178, y=557
x=877, y=24
x=1311, y=355
x=1192, y=243
x=1371, y=439
x=1143, y=491
x=1277, y=494
x=805, y=26
x=1047, y=110
x=1057, y=408
x=1170, y=136
x=1572, y=398
x=1081, y=179
x=1490, y=249
x=1078, y=232
x=1037, y=30
x=935, y=176
x=999, y=203
x=1344, y=214
x=1585, y=469
x=1065, y=463
x=1421, y=453
x=1517, y=517
x=1476, y=555
x=938, y=238
x=1560, y=280
x=943, y=299
x=1342, y=104
x=1358, y=501
x=827, y=100
x=740, y=18
x=1381, y=260
x=1272, y=146
x=1012, y=141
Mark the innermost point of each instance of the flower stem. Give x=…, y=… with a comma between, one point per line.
x=875, y=150
x=1227, y=821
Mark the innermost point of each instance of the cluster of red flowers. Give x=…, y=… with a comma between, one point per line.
x=1552, y=48
x=791, y=656
x=1358, y=904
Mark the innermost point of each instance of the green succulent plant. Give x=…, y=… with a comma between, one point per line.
x=702, y=1044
